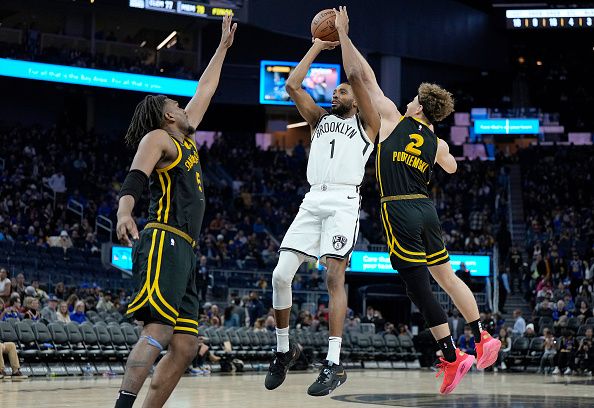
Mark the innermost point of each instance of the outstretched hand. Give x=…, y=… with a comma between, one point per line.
x=342, y=20
x=325, y=45
x=228, y=31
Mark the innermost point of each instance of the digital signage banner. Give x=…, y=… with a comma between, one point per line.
x=96, y=77
x=506, y=126
x=121, y=257
x=379, y=262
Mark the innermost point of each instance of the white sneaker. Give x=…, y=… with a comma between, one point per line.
x=556, y=371
x=567, y=371
x=495, y=369
x=503, y=366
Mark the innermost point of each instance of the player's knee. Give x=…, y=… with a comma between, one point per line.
x=281, y=280
x=185, y=348
x=160, y=333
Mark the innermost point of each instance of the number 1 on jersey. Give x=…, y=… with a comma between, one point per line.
x=333, y=142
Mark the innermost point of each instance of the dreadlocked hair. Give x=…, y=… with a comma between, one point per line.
x=148, y=116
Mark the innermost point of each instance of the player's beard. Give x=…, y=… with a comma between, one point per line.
x=190, y=130
x=340, y=109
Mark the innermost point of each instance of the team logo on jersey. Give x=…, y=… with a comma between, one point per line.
x=339, y=241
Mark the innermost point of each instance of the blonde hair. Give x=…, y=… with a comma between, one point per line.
x=437, y=103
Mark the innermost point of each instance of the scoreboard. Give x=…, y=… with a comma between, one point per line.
x=550, y=18
x=215, y=9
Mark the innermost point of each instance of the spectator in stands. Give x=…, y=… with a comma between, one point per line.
x=561, y=310
x=550, y=350
x=530, y=333
x=63, y=315
x=31, y=308
x=12, y=310
x=49, y=312
x=585, y=354
x=504, y=289
x=584, y=311
x=577, y=272
x=60, y=291
x=105, y=304
x=566, y=355
x=57, y=182
x=63, y=241
x=78, y=316
x=404, y=332
x=255, y=308
x=259, y=325
x=5, y=285
x=39, y=293
x=71, y=302
x=519, y=324
x=506, y=345
x=584, y=292
x=544, y=309
x=466, y=342
x=369, y=315
x=19, y=286
x=464, y=274
x=230, y=319
x=456, y=324
x=10, y=349
x=388, y=329
x=270, y=324
x=489, y=323
x=202, y=278
x=560, y=292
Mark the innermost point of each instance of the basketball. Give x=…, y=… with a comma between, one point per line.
x=322, y=26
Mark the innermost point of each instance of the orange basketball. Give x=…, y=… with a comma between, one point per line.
x=322, y=26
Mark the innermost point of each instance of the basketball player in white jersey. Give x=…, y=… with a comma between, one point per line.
x=326, y=225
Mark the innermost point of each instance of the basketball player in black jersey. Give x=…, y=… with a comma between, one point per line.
x=163, y=259
x=406, y=154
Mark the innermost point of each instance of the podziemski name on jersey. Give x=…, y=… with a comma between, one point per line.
x=335, y=127
x=410, y=160
x=339, y=241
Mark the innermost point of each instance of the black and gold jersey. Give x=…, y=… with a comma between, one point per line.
x=177, y=192
x=405, y=159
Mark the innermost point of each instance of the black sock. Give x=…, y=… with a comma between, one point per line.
x=125, y=399
x=476, y=328
x=448, y=348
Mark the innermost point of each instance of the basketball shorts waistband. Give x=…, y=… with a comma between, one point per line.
x=335, y=187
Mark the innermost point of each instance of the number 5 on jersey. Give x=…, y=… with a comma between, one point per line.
x=412, y=147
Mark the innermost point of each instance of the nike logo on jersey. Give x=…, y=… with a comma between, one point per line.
x=350, y=198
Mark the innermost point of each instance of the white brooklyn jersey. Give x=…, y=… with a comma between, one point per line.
x=339, y=150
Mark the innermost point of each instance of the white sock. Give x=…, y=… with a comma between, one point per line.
x=334, y=349
x=282, y=340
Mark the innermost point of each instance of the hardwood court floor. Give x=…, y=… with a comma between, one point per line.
x=398, y=388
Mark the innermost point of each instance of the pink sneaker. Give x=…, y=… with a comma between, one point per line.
x=454, y=371
x=487, y=351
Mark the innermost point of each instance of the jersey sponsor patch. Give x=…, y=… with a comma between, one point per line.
x=339, y=241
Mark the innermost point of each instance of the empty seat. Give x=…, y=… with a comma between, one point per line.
x=90, y=341
x=26, y=339
x=118, y=340
x=43, y=339
x=60, y=340
x=107, y=348
x=7, y=333
x=129, y=334
x=75, y=339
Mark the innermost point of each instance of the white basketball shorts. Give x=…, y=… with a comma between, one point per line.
x=327, y=223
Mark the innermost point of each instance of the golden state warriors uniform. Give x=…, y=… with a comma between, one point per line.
x=405, y=163
x=163, y=258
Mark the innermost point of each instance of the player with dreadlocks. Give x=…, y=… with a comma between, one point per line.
x=163, y=257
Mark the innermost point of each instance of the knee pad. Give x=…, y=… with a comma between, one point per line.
x=282, y=278
x=418, y=289
x=152, y=341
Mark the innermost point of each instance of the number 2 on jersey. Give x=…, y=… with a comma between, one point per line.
x=333, y=142
x=417, y=141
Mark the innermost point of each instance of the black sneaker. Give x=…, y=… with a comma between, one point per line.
x=331, y=376
x=279, y=367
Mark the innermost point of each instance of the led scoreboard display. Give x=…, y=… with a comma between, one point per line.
x=189, y=8
x=550, y=18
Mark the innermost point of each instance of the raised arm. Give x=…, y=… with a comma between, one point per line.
x=444, y=158
x=354, y=71
x=304, y=102
x=209, y=81
x=152, y=149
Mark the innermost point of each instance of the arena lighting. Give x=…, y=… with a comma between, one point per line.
x=166, y=40
x=296, y=125
x=550, y=13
